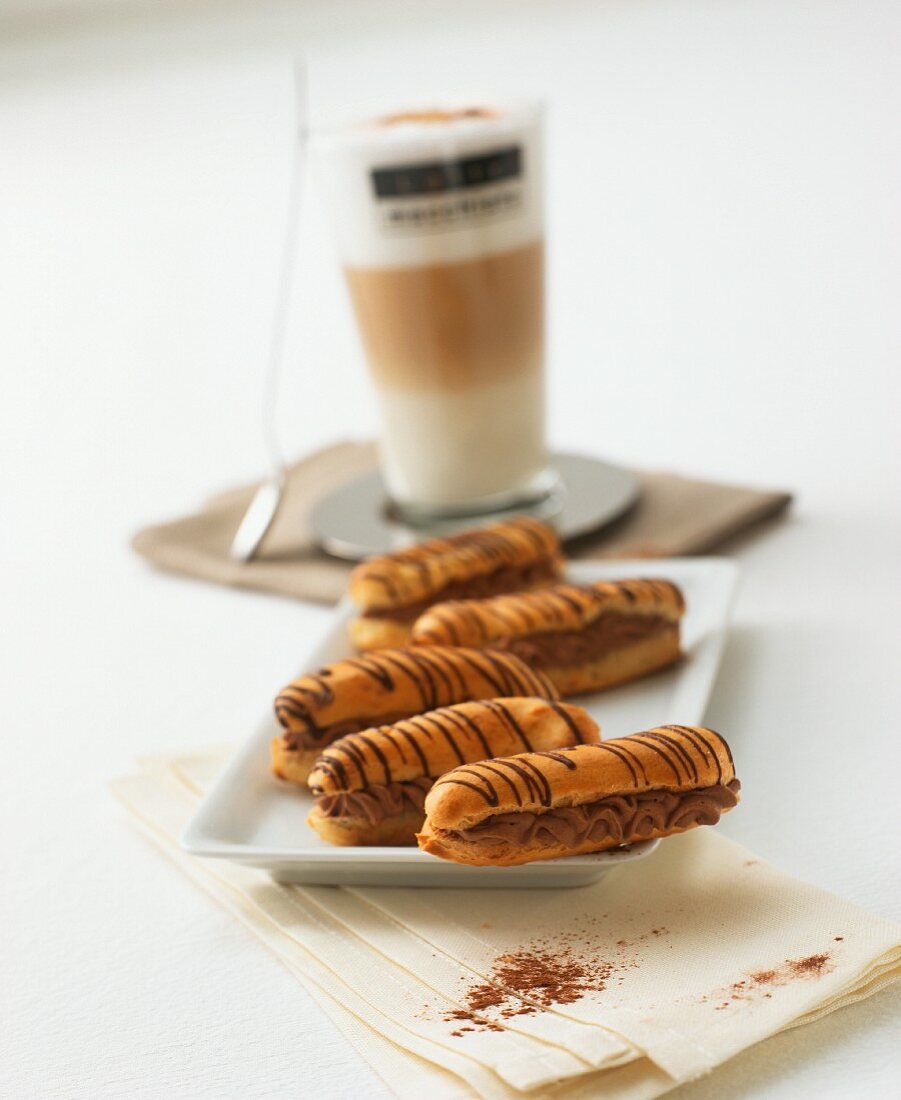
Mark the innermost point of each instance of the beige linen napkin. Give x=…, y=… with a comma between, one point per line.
x=674, y=516
x=162, y=802
x=662, y=971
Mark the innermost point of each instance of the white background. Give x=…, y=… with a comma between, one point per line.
x=724, y=301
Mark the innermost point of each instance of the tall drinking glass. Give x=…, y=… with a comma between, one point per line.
x=440, y=230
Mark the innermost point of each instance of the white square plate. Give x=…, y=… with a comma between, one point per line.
x=250, y=817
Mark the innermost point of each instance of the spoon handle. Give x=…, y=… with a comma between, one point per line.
x=265, y=503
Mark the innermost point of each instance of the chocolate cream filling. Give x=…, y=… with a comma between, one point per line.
x=508, y=579
x=624, y=818
x=300, y=740
x=377, y=802
x=559, y=648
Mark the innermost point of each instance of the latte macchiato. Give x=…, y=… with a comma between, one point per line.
x=440, y=229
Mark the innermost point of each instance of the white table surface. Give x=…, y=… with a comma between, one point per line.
x=723, y=300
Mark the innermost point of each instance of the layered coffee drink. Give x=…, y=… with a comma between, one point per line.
x=440, y=231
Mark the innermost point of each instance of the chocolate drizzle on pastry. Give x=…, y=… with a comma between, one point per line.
x=586, y=798
x=301, y=739
x=504, y=579
x=678, y=747
x=557, y=626
x=371, y=786
x=423, y=742
x=490, y=559
x=429, y=678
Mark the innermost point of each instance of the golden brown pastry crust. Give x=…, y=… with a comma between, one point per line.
x=568, y=611
x=392, y=681
x=675, y=759
x=433, y=743
x=420, y=572
x=563, y=607
x=372, y=632
x=292, y=765
x=397, y=831
x=386, y=684
x=670, y=758
x=426, y=746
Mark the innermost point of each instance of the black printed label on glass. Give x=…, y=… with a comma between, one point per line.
x=439, y=177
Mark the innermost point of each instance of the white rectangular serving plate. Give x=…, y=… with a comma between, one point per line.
x=251, y=817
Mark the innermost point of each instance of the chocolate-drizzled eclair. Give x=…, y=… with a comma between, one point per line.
x=394, y=589
x=380, y=688
x=566, y=802
x=583, y=637
x=371, y=786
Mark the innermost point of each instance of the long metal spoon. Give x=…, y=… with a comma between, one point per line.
x=267, y=499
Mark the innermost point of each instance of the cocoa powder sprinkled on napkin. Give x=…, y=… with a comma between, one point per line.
x=545, y=973
x=541, y=977
x=755, y=984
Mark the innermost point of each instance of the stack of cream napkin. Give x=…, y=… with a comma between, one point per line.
x=658, y=974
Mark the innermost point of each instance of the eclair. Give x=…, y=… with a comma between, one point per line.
x=583, y=637
x=566, y=802
x=377, y=689
x=371, y=786
x=394, y=589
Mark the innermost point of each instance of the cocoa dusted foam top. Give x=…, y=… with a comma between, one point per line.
x=437, y=115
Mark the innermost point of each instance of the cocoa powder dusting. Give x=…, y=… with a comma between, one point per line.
x=749, y=989
x=542, y=974
x=548, y=971
x=526, y=981
x=813, y=965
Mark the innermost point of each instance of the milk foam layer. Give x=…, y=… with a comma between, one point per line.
x=452, y=446
x=347, y=158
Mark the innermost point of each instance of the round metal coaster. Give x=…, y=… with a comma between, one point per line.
x=356, y=520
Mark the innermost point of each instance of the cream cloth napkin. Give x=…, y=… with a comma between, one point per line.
x=674, y=516
x=692, y=955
